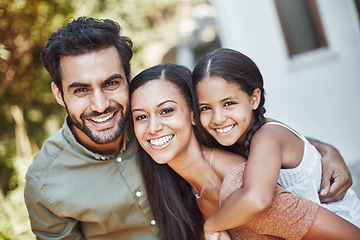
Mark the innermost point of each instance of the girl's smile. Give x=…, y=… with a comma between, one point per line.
x=227, y=113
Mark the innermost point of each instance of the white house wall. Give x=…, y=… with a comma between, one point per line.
x=317, y=93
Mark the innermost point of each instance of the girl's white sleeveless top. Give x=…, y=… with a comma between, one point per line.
x=305, y=180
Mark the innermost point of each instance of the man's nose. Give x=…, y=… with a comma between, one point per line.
x=99, y=101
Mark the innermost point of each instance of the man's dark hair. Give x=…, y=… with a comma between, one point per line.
x=84, y=35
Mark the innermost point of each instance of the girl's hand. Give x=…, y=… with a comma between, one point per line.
x=223, y=235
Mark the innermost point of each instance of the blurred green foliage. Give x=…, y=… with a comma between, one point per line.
x=28, y=109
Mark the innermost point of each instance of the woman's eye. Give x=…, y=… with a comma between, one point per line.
x=167, y=111
x=140, y=117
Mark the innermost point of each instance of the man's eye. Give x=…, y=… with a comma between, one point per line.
x=80, y=90
x=112, y=85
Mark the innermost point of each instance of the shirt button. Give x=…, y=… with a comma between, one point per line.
x=119, y=159
x=153, y=222
x=138, y=193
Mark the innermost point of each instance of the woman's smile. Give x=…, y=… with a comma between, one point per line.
x=162, y=120
x=161, y=141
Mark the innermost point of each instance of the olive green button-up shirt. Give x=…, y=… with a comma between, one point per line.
x=73, y=193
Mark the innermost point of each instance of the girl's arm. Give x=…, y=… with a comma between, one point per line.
x=259, y=183
x=330, y=226
x=336, y=178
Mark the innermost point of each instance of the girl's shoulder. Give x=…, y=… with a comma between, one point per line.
x=269, y=129
x=273, y=132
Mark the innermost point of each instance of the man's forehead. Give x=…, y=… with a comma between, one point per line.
x=91, y=68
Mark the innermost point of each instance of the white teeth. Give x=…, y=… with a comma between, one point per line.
x=225, y=130
x=100, y=120
x=161, y=141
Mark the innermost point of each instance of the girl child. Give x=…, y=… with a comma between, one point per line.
x=176, y=165
x=229, y=87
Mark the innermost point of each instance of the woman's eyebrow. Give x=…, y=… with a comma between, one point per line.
x=160, y=104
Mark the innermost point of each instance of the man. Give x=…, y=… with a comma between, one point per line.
x=85, y=182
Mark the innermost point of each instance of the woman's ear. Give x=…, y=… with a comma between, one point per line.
x=192, y=119
x=255, y=98
x=57, y=93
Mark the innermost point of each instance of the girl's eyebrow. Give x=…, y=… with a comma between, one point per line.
x=222, y=100
x=226, y=99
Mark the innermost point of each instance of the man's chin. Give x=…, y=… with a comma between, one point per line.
x=105, y=137
x=101, y=137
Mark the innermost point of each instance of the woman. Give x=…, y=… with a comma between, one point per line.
x=164, y=110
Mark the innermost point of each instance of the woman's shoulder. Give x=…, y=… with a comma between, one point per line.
x=225, y=161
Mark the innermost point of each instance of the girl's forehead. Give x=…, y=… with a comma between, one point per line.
x=218, y=81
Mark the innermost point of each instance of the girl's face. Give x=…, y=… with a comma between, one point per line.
x=162, y=120
x=226, y=111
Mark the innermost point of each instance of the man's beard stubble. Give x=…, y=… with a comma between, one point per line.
x=107, y=135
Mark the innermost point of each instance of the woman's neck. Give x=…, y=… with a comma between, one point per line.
x=194, y=166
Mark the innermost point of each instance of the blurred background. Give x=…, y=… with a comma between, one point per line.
x=307, y=50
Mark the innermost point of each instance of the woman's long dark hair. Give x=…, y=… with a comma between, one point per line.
x=237, y=68
x=171, y=197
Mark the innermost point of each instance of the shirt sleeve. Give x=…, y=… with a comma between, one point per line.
x=45, y=223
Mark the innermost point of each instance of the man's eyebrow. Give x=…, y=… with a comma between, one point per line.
x=81, y=85
x=114, y=76
x=78, y=84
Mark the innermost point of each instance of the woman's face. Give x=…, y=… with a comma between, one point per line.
x=226, y=111
x=162, y=120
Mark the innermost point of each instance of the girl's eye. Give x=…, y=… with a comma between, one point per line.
x=140, y=117
x=167, y=111
x=227, y=104
x=202, y=109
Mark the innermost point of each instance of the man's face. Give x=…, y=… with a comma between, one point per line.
x=95, y=94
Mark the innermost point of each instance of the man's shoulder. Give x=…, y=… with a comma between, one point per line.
x=51, y=149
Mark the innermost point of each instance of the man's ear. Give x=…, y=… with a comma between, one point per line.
x=130, y=76
x=57, y=93
x=255, y=98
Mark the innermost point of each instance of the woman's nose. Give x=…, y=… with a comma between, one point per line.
x=154, y=125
